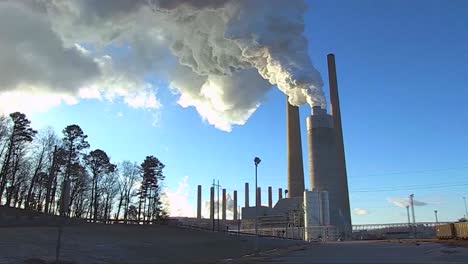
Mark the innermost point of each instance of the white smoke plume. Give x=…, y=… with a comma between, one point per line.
x=177, y=201
x=403, y=202
x=219, y=56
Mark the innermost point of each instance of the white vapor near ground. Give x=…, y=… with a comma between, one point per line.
x=177, y=201
x=220, y=57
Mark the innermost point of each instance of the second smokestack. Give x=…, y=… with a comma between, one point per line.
x=294, y=151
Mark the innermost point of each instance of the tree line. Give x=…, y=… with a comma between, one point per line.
x=60, y=175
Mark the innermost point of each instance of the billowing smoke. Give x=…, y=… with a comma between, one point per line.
x=219, y=56
x=403, y=202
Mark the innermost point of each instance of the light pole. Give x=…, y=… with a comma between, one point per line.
x=437, y=220
x=407, y=212
x=411, y=199
x=257, y=161
x=466, y=210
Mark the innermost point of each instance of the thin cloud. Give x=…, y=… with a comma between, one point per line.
x=403, y=202
x=360, y=211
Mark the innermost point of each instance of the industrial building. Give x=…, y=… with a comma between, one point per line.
x=322, y=207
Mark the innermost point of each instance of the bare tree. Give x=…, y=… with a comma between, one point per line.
x=43, y=146
x=99, y=165
x=128, y=176
x=57, y=161
x=109, y=190
x=21, y=134
x=79, y=180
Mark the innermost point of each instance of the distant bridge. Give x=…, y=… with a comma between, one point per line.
x=395, y=225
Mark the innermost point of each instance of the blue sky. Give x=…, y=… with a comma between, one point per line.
x=402, y=70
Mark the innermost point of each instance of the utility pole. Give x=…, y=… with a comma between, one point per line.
x=407, y=212
x=411, y=198
x=257, y=161
x=466, y=210
x=437, y=220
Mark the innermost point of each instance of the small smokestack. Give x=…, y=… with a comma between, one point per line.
x=294, y=152
x=212, y=209
x=270, y=197
x=224, y=205
x=235, y=205
x=246, y=194
x=280, y=194
x=259, y=197
x=199, y=201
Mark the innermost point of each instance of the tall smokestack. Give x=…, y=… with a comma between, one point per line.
x=235, y=205
x=246, y=194
x=336, y=114
x=294, y=152
x=199, y=199
x=280, y=194
x=212, y=209
x=223, y=205
x=270, y=197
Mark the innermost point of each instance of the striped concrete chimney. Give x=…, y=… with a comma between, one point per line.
x=294, y=152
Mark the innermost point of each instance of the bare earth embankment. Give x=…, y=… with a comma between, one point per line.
x=127, y=244
x=369, y=252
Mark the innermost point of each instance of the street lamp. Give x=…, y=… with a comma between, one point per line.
x=257, y=161
x=437, y=220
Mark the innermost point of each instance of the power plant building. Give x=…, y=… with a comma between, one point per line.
x=327, y=204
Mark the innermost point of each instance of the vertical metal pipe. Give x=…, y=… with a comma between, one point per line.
x=294, y=151
x=199, y=199
x=235, y=205
x=217, y=202
x=437, y=220
x=246, y=194
x=270, y=197
x=280, y=194
x=256, y=209
x=224, y=205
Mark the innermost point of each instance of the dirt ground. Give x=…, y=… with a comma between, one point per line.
x=367, y=252
x=127, y=244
